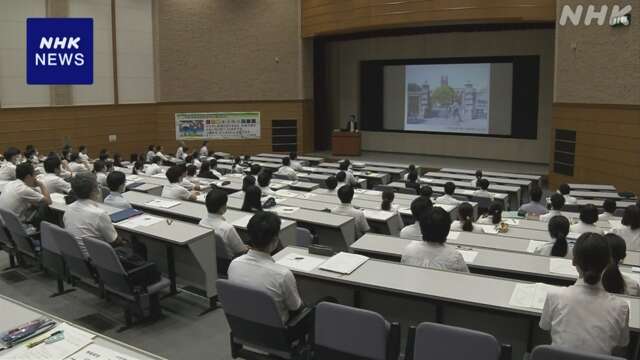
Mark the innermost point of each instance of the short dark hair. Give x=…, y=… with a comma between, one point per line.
x=435, y=224
x=449, y=188
x=264, y=178
x=263, y=229
x=115, y=180
x=174, y=173
x=535, y=194
x=82, y=148
x=286, y=161
x=215, y=200
x=345, y=194
x=557, y=201
x=413, y=176
x=23, y=170
x=51, y=164
x=98, y=165
x=631, y=217
x=341, y=176
x=426, y=191
x=255, y=169
x=293, y=155
x=192, y=170
x=331, y=182
x=344, y=165
x=483, y=184
x=418, y=206
x=609, y=205
x=589, y=214
x=11, y=153
x=478, y=174
x=247, y=181
x=151, y=147
x=83, y=185
x=592, y=255
x=564, y=189
x=213, y=163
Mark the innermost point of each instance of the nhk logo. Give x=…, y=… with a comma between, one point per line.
x=59, y=51
x=577, y=14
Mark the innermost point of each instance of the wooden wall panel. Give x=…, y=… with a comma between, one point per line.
x=607, y=144
x=324, y=17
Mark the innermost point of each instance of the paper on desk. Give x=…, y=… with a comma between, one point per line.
x=284, y=209
x=488, y=229
x=74, y=340
x=615, y=223
x=243, y=221
x=300, y=262
x=534, y=244
x=140, y=221
x=562, y=266
x=98, y=352
x=344, y=263
x=469, y=256
x=306, y=196
x=160, y=176
x=573, y=236
x=530, y=295
x=287, y=182
x=286, y=193
x=511, y=221
x=57, y=198
x=133, y=177
x=453, y=235
x=202, y=197
x=634, y=276
x=163, y=203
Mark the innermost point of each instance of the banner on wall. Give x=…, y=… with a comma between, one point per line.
x=217, y=125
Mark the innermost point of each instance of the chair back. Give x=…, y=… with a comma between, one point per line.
x=548, y=352
x=18, y=233
x=104, y=258
x=483, y=204
x=68, y=246
x=5, y=239
x=344, y=332
x=436, y=341
x=304, y=237
x=50, y=252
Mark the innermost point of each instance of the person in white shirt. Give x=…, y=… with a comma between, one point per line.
x=174, y=190
x=229, y=245
x=295, y=164
x=565, y=190
x=345, y=194
x=585, y=317
x=213, y=166
x=154, y=168
x=331, y=184
x=559, y=247
x=180, y=153
x=341, y=178
x=419, y=206
x=411, y=168
x=493, y=215
x=630, y=229
x=483, y=192
x=345, y=166
x=557, y=203
x=191, y=182
x=116, y=181
x=52, y=179
x=160, y=154
x=82, y=154
x=447, y=198
x=264, y=179
x=24, y=195
x=475, y=181
x=257, y=268
x=588, y=217
x=8, y=169
x=612, y=279
x=77, y=165
x=395, y=223
x=609, y=206
x=204, y=151
x=237, y=168
x=465, y=220
x=433, y=252
x=287, y=170
x=99, y=168
x=151, y=154
x=535, y=206
x=412, y=181
x=31, y=154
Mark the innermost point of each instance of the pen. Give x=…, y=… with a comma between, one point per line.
x=38, y=342
x=298, y=258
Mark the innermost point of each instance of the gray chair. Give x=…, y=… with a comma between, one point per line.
x=483, y=204
x=77, y=266
x=25, y=243
x=140, y=303
x=343, y=332
x=7, y=245
x=548, y=352
x=255, y=323
x=304, y=237
x=442, y=342
x=52, y=259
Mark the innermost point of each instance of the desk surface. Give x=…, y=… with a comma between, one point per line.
x=440, y=190
x=593, y=187
x=300, y=157
x=497, y=180
x=493, y=173
x=595, y=194
x=468, y=185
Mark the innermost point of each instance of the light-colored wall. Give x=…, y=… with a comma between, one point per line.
x=344, y=58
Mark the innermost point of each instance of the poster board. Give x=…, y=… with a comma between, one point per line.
x=217, y=125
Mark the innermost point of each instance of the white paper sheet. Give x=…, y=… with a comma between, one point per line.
x=615, y=223
x=633, y=275
x=140, y=221
x=306, y=196
x=562, y=266
x=300, y=262
x=57, y=198
x=488, y=229
x=163, y=203
x=74, y=340
x=286, y=193
x=573, y=236
x=98, y=352
x=344, y=263
x=530, y=295
x=243, y=221
x=284, y=209
x=534, y=244
x=453, y=235
x=513, y=222
x=469, y=256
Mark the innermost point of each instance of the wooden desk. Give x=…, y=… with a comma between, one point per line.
x=346, y=143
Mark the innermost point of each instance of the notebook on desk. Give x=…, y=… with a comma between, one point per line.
x=344, y=263
x=124, y=215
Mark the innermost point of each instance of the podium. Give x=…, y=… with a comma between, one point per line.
x=345, y=143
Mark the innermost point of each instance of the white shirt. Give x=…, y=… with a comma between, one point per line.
x=55, y=184
x=162, y=156
x=150, y=155
x=231, y=241
x=8, y=171
x=586, y=318
x=546, y=217
x=179, y=152
x=412, y=232
x=204, y=151
x=190, y=182
x=116, y=200
x=266, y=191
x=101, y=178
x=483, y=194
x=581, y=228
x=83, y=157
x=457, y=226
x=362, y=226
x=288, y=172
x=296, y=165
x=485, y=220
x=607, y=216
x=631, y=237
x=216, y=173
x=84, y=219
x=447, y=200
x=350, y=179
x=258, y=270
x=77, y=167
x=153, y=169
x=570, y=200
x=545, y=250
x=175, y=191
x=433, y=255
x=20, y=199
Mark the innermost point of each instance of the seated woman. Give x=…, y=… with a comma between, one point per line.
x=613, y=280
x=493, y=216
x=558, y=230
x=252, y=199
x=465, y=220
x=588, y=217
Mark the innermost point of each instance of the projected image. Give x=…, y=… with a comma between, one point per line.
x=448, y=98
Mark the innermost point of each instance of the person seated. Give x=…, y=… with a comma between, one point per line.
x=630, y=229
x=588, y=218
x=25, y=196
x=190, y=181
x=216, y=202
x=8, y=169
x=264, y=180
x=160, y=154
x=31, y=154
x=345, y=166
x=612, y=279
x=559, y=247
x=565, y=190
x=116, y=181
x=465, y=220
x=426, y=192
x=204, y=150
x=181, y=154
x=154, y=168
x=483, y=192
x=257, y=269
x=557, y=203
x=412, y=181
x=117, y=160
x=447, y=198
x=254, y=170
x=433, y=252
x=51, y=179
x=138, y=167
x=535, y=206
x=475, y=181
x=419, y=205
x=609, y=206
x=237, y=168
x=175, y=190
x=100, y=170
x=151, y=154
x=252, y=201
x=76, y=165
x=345, y=194
x=287, y=170
x=331, y=183
x=341, y=177
x=213, y=166
x=205, y=171
x=387, y=201
x=247, y=181
x=411, y=168
x=83, y=154
x=493, y=215
x=295, y=164
x=104, y=155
